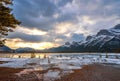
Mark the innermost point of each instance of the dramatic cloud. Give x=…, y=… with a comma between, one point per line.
x=15, y=43
x=59, y=21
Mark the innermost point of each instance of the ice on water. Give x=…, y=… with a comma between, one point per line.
x=65, y=62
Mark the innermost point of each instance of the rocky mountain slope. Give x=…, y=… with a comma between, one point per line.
x=24, y=50
x=5, y=49
x=106, y=40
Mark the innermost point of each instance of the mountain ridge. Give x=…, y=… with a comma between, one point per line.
x=5, y=49
x=106, y=40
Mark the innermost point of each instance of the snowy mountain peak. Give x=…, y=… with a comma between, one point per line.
x=104, y=32
x=117, y=26
x=67, y=43
x=89, y=38
x=115, y=31
x=106, y=40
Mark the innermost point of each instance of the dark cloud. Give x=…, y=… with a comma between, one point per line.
x=26, y=37
x=68, y=17
x=40, y=14
x=34, y=13
x=77, y=37
x=63, y=2
x=34, y=8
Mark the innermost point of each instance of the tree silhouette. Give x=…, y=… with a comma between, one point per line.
x=7, y=20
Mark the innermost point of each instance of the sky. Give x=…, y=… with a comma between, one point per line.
x=51, y=23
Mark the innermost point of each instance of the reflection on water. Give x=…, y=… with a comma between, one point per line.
x=30, y=55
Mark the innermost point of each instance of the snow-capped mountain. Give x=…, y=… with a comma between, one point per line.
x=106, y=40
x=67, y=44
x=105, y=37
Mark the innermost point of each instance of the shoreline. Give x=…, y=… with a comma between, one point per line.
x=8, y=74
x=92, y=72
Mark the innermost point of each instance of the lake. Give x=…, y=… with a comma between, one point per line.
x=55, y=65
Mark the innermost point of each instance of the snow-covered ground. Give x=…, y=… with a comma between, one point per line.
x=65, y=62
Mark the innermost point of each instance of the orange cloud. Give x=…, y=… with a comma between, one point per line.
x=17, y=43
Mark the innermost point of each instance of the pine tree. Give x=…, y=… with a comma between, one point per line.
x=7, y=20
